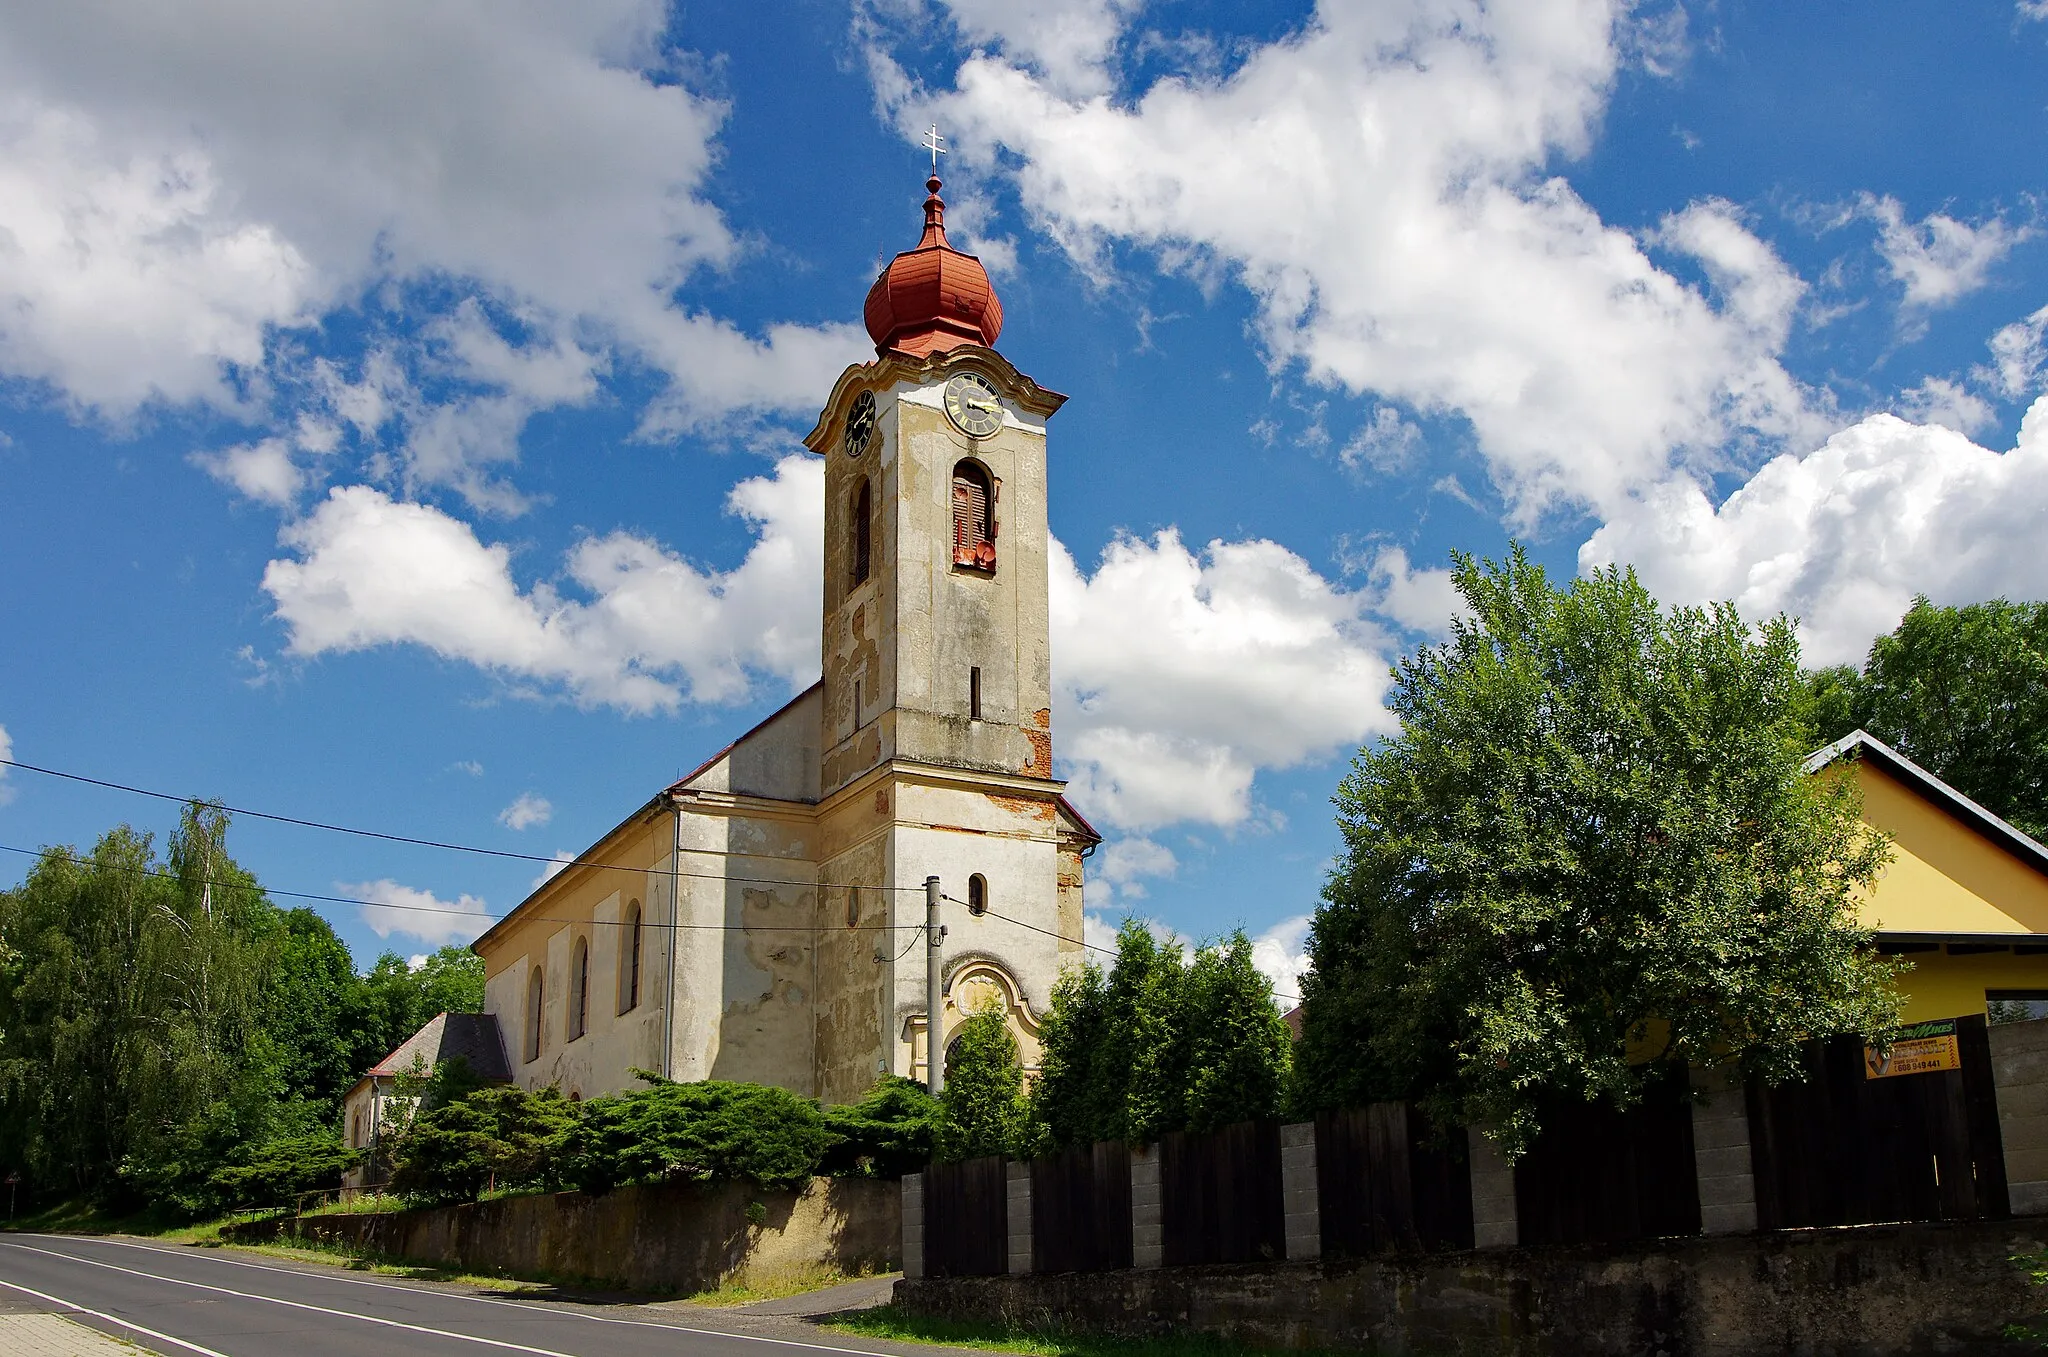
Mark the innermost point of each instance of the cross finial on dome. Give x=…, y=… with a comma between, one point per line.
x=936, y=144
x=932, y=297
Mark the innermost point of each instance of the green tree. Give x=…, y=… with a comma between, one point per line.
x=309, y=1006
x=501, y=1135
x=1158, y=1044
x=131, y=1012
x=1238, y=1048
x=983, y=1100
x=1961, y=691
x=395, y=999
x=1591, y=849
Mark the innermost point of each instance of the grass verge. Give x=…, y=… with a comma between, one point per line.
x=746, y=1289
x=1043, y=1339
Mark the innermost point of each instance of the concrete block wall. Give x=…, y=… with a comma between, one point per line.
x=1148, y=1213
x=1298, y=1191
x=1720, y=1148
x=2019, y=1066
x=1017, y=1183
x=913, y=1225
x=1494, y=1225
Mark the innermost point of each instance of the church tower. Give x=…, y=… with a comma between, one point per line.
x=937, y=666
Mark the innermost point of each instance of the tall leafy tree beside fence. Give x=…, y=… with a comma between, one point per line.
x=1158, y=1044
x=1590, y=849
x=1964, y=693
x=982, y=1103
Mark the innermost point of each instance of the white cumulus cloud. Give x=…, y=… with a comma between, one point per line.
x=1180, y=674
x=1127, y=862
x=639, y=629
x=1844, y=536
x=1382, y=183
x=178, y=185
x=1281, y=954
x=1938, y=258
x=405, y=911
x=528, y=812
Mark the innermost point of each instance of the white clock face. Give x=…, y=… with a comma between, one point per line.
x=860, y=424
x=972, y=405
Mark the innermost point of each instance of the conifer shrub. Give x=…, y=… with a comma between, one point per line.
x=502, y=1136
x=888, y=1133
x=696, y=1133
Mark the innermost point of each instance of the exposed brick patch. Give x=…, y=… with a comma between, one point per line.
x=1041, y=753
x=1023, y=805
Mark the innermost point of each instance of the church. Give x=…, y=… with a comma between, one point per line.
x=762, y=918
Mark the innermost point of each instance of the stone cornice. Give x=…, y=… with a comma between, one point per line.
x=893, y=367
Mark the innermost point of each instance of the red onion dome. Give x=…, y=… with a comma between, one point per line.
x=932, y=298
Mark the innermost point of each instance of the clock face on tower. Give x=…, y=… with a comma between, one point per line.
x=860, y=424
x=972, y=405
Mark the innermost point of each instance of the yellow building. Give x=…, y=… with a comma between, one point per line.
x=1965, y=896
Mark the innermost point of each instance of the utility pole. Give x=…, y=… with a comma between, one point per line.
x=934, y=990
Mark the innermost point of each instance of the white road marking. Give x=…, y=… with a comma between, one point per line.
x=298, y=1304
x=486, y=1300
x=111, y=1319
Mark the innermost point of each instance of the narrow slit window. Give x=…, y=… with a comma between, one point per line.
x=534, y=998
x=977, y=895
x=974, y=532
x=629, y=959
x=974, y=693
x=856, y=704
x=579, y=989
x=863, y=532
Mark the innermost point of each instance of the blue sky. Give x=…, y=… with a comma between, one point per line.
x=399, y=401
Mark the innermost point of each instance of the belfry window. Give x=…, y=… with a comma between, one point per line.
x=534, y=997
x=974, y=520
x=863, y=532
x=629, y=959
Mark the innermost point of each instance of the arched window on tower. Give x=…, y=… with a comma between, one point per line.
x=977, y=895
x=629, y=959
x=863, y=532
x=533, y=1014
x=579, y=989
x=974, y=517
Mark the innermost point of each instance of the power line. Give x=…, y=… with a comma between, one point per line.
x=421, y=843
x=473, y=914
x=1106, y=951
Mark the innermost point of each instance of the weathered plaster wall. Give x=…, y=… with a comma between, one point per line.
x=1870, y=1292
x=683, y=1238
x=586, y=901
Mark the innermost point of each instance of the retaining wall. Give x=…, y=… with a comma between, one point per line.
x=1873, y=1291
x=683, y=1237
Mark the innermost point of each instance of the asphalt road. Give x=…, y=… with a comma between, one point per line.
x=181, y=1301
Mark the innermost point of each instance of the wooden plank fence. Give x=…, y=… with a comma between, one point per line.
x=1600, y=1175
x=1384, y=1181
x=1845, y=1149
x=966, y=1221
x=1081, y=1209
x=1220, y=1195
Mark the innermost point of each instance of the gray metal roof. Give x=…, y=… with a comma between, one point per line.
x=473, y=1036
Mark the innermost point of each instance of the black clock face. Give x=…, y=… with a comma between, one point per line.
x=972, y=405
x=860, y=424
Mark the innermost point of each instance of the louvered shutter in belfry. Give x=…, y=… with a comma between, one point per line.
x=970, y=518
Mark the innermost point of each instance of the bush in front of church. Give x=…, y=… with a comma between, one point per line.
x=498, y=1137
x=983, y=1100
x=713, y=1130
x=888, y=1133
